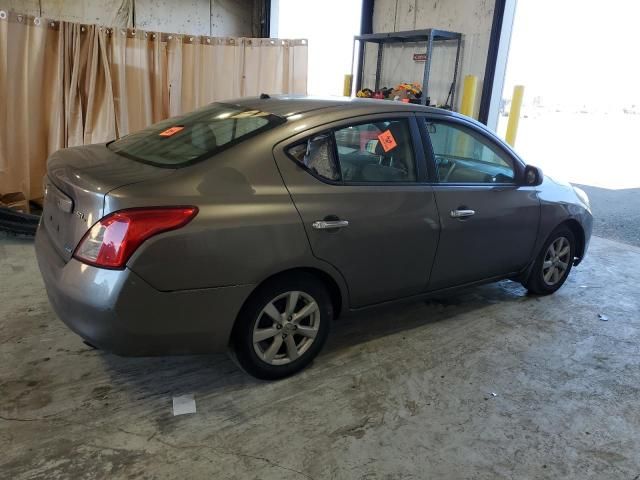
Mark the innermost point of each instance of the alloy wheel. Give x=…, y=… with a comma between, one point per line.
x=556, y=261
x=286, y=327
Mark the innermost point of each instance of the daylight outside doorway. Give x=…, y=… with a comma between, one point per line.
x=581, y=113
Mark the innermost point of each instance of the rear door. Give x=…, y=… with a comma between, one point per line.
x=489, y=221
x=360, y=188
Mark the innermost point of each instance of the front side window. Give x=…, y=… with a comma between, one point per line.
x=180, y=141
x=379, y=151
x=464, y=156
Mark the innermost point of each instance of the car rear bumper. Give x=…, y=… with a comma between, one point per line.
x=118, y=311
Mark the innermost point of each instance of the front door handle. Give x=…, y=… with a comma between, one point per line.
x=329, y=224
x=462, y=213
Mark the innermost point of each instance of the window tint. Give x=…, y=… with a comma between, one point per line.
x=316, y=154
x=376, y=152
x=200, y=134
x=464, y=156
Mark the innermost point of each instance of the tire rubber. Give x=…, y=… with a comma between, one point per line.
x=18, y=223
x=242, y=336
x=535, y=283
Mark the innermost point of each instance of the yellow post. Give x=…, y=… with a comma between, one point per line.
x=346, y=89
x=467, y=108
x=514, y=115
x=469, y=95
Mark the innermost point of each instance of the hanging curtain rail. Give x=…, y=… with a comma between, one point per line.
x=52, y=24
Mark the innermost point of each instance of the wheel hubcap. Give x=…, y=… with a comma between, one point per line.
x=286, y=327
x=556, y=261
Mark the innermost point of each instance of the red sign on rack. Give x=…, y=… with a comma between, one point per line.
x=419, y=57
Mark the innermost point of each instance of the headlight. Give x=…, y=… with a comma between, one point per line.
x=582, y=195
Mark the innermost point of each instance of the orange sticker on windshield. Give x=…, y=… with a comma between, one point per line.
x=170, y=131
x=387, y=141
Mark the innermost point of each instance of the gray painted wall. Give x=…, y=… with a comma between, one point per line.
x=473, y=18
x=197, y=17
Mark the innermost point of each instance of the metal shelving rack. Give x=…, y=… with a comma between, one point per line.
x=430, y=36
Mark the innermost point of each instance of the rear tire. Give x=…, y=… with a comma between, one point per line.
x=554, y=262
x=283, y=326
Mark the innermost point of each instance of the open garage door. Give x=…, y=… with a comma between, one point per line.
x=581, y=112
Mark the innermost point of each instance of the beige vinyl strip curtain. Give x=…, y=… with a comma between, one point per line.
x=64, y=84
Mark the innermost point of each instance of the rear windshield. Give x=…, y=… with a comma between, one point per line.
x=180, y=141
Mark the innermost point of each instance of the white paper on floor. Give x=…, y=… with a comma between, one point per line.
x=183, y=404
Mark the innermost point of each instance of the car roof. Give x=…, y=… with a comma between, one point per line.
x=288, y=105
x=327, y=109
x=301, y=108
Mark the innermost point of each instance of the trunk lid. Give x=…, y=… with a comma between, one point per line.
x=77, y=181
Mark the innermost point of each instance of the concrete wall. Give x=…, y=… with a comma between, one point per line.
x=105, y=12
x=473, y=18
x=198, y=17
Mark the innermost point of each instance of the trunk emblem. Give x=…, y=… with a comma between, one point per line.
x=80, y=215
x=64, y=204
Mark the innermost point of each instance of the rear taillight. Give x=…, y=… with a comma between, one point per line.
x=111, y=242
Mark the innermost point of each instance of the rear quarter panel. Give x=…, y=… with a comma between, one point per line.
x=246, y=230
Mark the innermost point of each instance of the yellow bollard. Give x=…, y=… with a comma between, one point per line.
x=469, y=95
x=467, y=108
x=346, y=89
x=514, y=115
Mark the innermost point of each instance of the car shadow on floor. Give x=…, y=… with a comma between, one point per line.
x=204, y=375
x=373, y=323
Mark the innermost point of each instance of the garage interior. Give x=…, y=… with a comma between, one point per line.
x=483, y=383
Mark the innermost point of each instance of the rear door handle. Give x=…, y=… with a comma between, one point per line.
x=462, y=213
x=329, y=224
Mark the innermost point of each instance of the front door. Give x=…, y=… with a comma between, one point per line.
x=365, y=208
x=489, y=223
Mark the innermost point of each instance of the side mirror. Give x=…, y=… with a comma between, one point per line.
x=532, y=176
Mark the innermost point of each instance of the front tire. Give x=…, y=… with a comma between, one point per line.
x=283, y=326
x=554, y=262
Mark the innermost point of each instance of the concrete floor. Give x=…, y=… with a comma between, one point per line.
x=405, y=392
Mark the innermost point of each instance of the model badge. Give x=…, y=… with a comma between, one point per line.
x=80, y=215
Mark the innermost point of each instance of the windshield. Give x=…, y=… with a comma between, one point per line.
x=180, y=141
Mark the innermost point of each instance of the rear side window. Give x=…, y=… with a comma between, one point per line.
x=375, y=152
x=316, y=155
x=180, y=141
